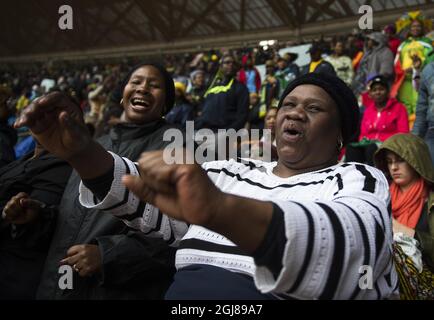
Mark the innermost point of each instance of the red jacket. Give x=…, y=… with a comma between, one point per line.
x=391, y=120
x=394, y=44
x=242, y=77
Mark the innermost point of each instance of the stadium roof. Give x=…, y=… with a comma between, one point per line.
x=29, y=29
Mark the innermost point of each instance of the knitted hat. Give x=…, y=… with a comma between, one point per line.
x=195, y=73
x=342, y=95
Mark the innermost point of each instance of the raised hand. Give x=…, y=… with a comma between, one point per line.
x=57, y=123
x=183, y=191
x=20, y=209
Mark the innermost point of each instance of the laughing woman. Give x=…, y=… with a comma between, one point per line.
x=301, y=227
x=110, y=261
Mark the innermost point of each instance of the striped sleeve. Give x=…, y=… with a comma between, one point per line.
x=125, y=205
x=329, y=244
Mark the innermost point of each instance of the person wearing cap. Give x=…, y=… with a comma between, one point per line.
x=377, y=60
x=182, y=111
x=299, y=228
x=317, y=63
x=406, y=162
x=383, y=117
x=341, y=63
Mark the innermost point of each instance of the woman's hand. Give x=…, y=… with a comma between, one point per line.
x=182, y=191
x=20, y=209
x=399, y=227
x=57, y=124
x=85, y=259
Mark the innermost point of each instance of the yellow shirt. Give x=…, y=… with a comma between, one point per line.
x=313, y=65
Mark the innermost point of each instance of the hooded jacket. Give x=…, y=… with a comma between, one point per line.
x=380, y=59
x=376, y=61
x=133, y=267
x=415, y=152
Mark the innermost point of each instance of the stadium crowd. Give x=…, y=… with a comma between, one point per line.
x=360, y=110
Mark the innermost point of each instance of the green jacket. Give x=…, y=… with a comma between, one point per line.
x=415, y=152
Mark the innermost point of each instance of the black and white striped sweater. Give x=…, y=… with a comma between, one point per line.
x=337, y=220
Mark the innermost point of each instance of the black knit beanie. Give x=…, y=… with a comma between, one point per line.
x=168, y=82
x=343, y=96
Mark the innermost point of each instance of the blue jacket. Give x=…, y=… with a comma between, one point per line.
x=225, y=109
x=425, y=103
x=180, y=114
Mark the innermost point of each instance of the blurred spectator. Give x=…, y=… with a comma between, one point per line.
x=394, y=41
x=98, y=99
x=354, y=47
x=377, y=60
x=23, y=100
x=341, y=63
x=270, y=86
x=249, y=75
x=197, y=91
x=182, y=111
x=317, y=63
x=226, y=103
x=424, y=123
x=411, y=58
x=257, y=113
x=180, y=75
x=25, y=146
x=383, y=117
x=268, y=140
x=287, y=70
x=8, y=136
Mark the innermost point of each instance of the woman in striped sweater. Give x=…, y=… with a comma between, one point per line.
x=304, y=227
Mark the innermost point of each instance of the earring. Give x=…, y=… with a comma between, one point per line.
x=122, y=101
x=340, y=145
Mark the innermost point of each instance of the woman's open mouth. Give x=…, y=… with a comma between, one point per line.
x=292, y=135
x=139, y=104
